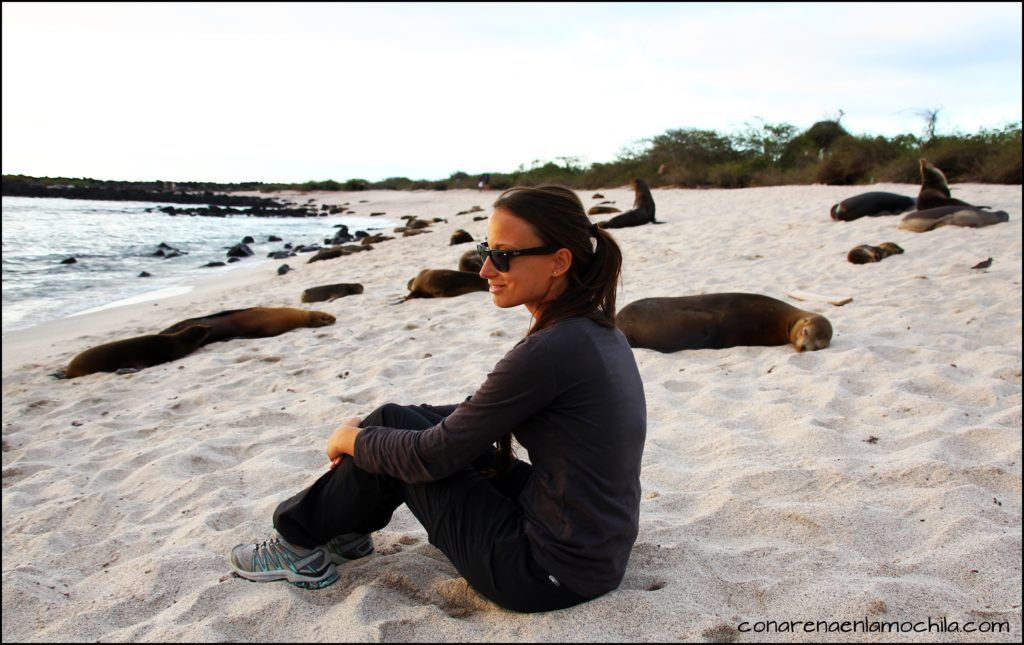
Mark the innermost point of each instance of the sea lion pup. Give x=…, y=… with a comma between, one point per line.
x=444, y=283
x=970, y=216
x=255, y=322
x=138, y=352
x=470, y=261
x=602, y=210
x=643, y=209
x=935, y=190
x=330, y=292
x=871, y=205
x=866, y=253
x=720, y=320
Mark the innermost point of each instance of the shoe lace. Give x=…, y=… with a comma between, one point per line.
x=271, y=550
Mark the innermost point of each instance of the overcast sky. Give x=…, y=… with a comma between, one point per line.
x=293, y=92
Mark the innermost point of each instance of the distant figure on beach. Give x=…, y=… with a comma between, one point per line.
x=485, y=182
x=643, y=209
x=530, y=537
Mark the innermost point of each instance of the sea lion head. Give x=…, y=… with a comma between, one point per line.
x=320, y=319
x=837, y=210
x=811, y=333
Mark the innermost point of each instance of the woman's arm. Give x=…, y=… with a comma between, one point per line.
x=521, y=384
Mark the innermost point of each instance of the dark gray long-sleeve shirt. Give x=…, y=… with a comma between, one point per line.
x=571, y=395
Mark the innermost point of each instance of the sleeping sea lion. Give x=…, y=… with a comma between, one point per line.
x=255, y=322
x=338, y=251
x=138, y=352
x=602, y=210
x=331, y=291
x=871, y=205
x=935, y=190
x=720, y=320
x=970, y=216
x=643, y=209
x=444, y=283
x=866, y=253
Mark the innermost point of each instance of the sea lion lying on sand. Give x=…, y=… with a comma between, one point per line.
x=255, y=322
x=871, y=205
x=643, y=209
x=330, y=292
x=971, y=216
x=444, y=283
x=866, y=253
x=137, y=353
x=720, y=320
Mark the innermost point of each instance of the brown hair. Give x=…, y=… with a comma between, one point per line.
x=558, y=217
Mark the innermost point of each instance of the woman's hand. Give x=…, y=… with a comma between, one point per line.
x=343, y=440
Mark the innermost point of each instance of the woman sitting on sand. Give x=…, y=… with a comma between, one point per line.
x=530, y=537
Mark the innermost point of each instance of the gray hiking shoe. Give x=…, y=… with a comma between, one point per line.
x=349, y=546
x=276, y=559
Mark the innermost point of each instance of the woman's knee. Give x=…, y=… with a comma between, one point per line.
x=386, y=415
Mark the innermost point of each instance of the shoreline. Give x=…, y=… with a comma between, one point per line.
x=878, y=477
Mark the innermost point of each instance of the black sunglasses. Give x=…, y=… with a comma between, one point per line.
x=501, y=259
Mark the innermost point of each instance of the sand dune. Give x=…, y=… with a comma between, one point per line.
x=879, y=478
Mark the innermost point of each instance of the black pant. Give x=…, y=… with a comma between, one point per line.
x=474, y=520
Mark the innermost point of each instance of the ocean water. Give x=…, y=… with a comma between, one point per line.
x=115, y=241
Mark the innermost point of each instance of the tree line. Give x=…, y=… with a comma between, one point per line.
x=761, y=154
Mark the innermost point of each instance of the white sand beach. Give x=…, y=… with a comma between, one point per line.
x=878, y=479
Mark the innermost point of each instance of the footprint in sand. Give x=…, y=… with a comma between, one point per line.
x=681, y=386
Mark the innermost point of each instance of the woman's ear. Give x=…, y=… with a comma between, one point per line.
x=563, y=260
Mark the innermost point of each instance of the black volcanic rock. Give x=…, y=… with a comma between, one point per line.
x=240, y=251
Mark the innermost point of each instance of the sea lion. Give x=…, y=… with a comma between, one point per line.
x=866, y=253
x=871, y=205
x=331, y=291
x=460, y=237
x=255, y=322
x=374, y=239
x=138, y=352
x=643, y=209
x=601, y=209
x=444, y=283
x=970, y=216
x=935, y=190
x=338, y=251
x=471, y=262
x=720, y=320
